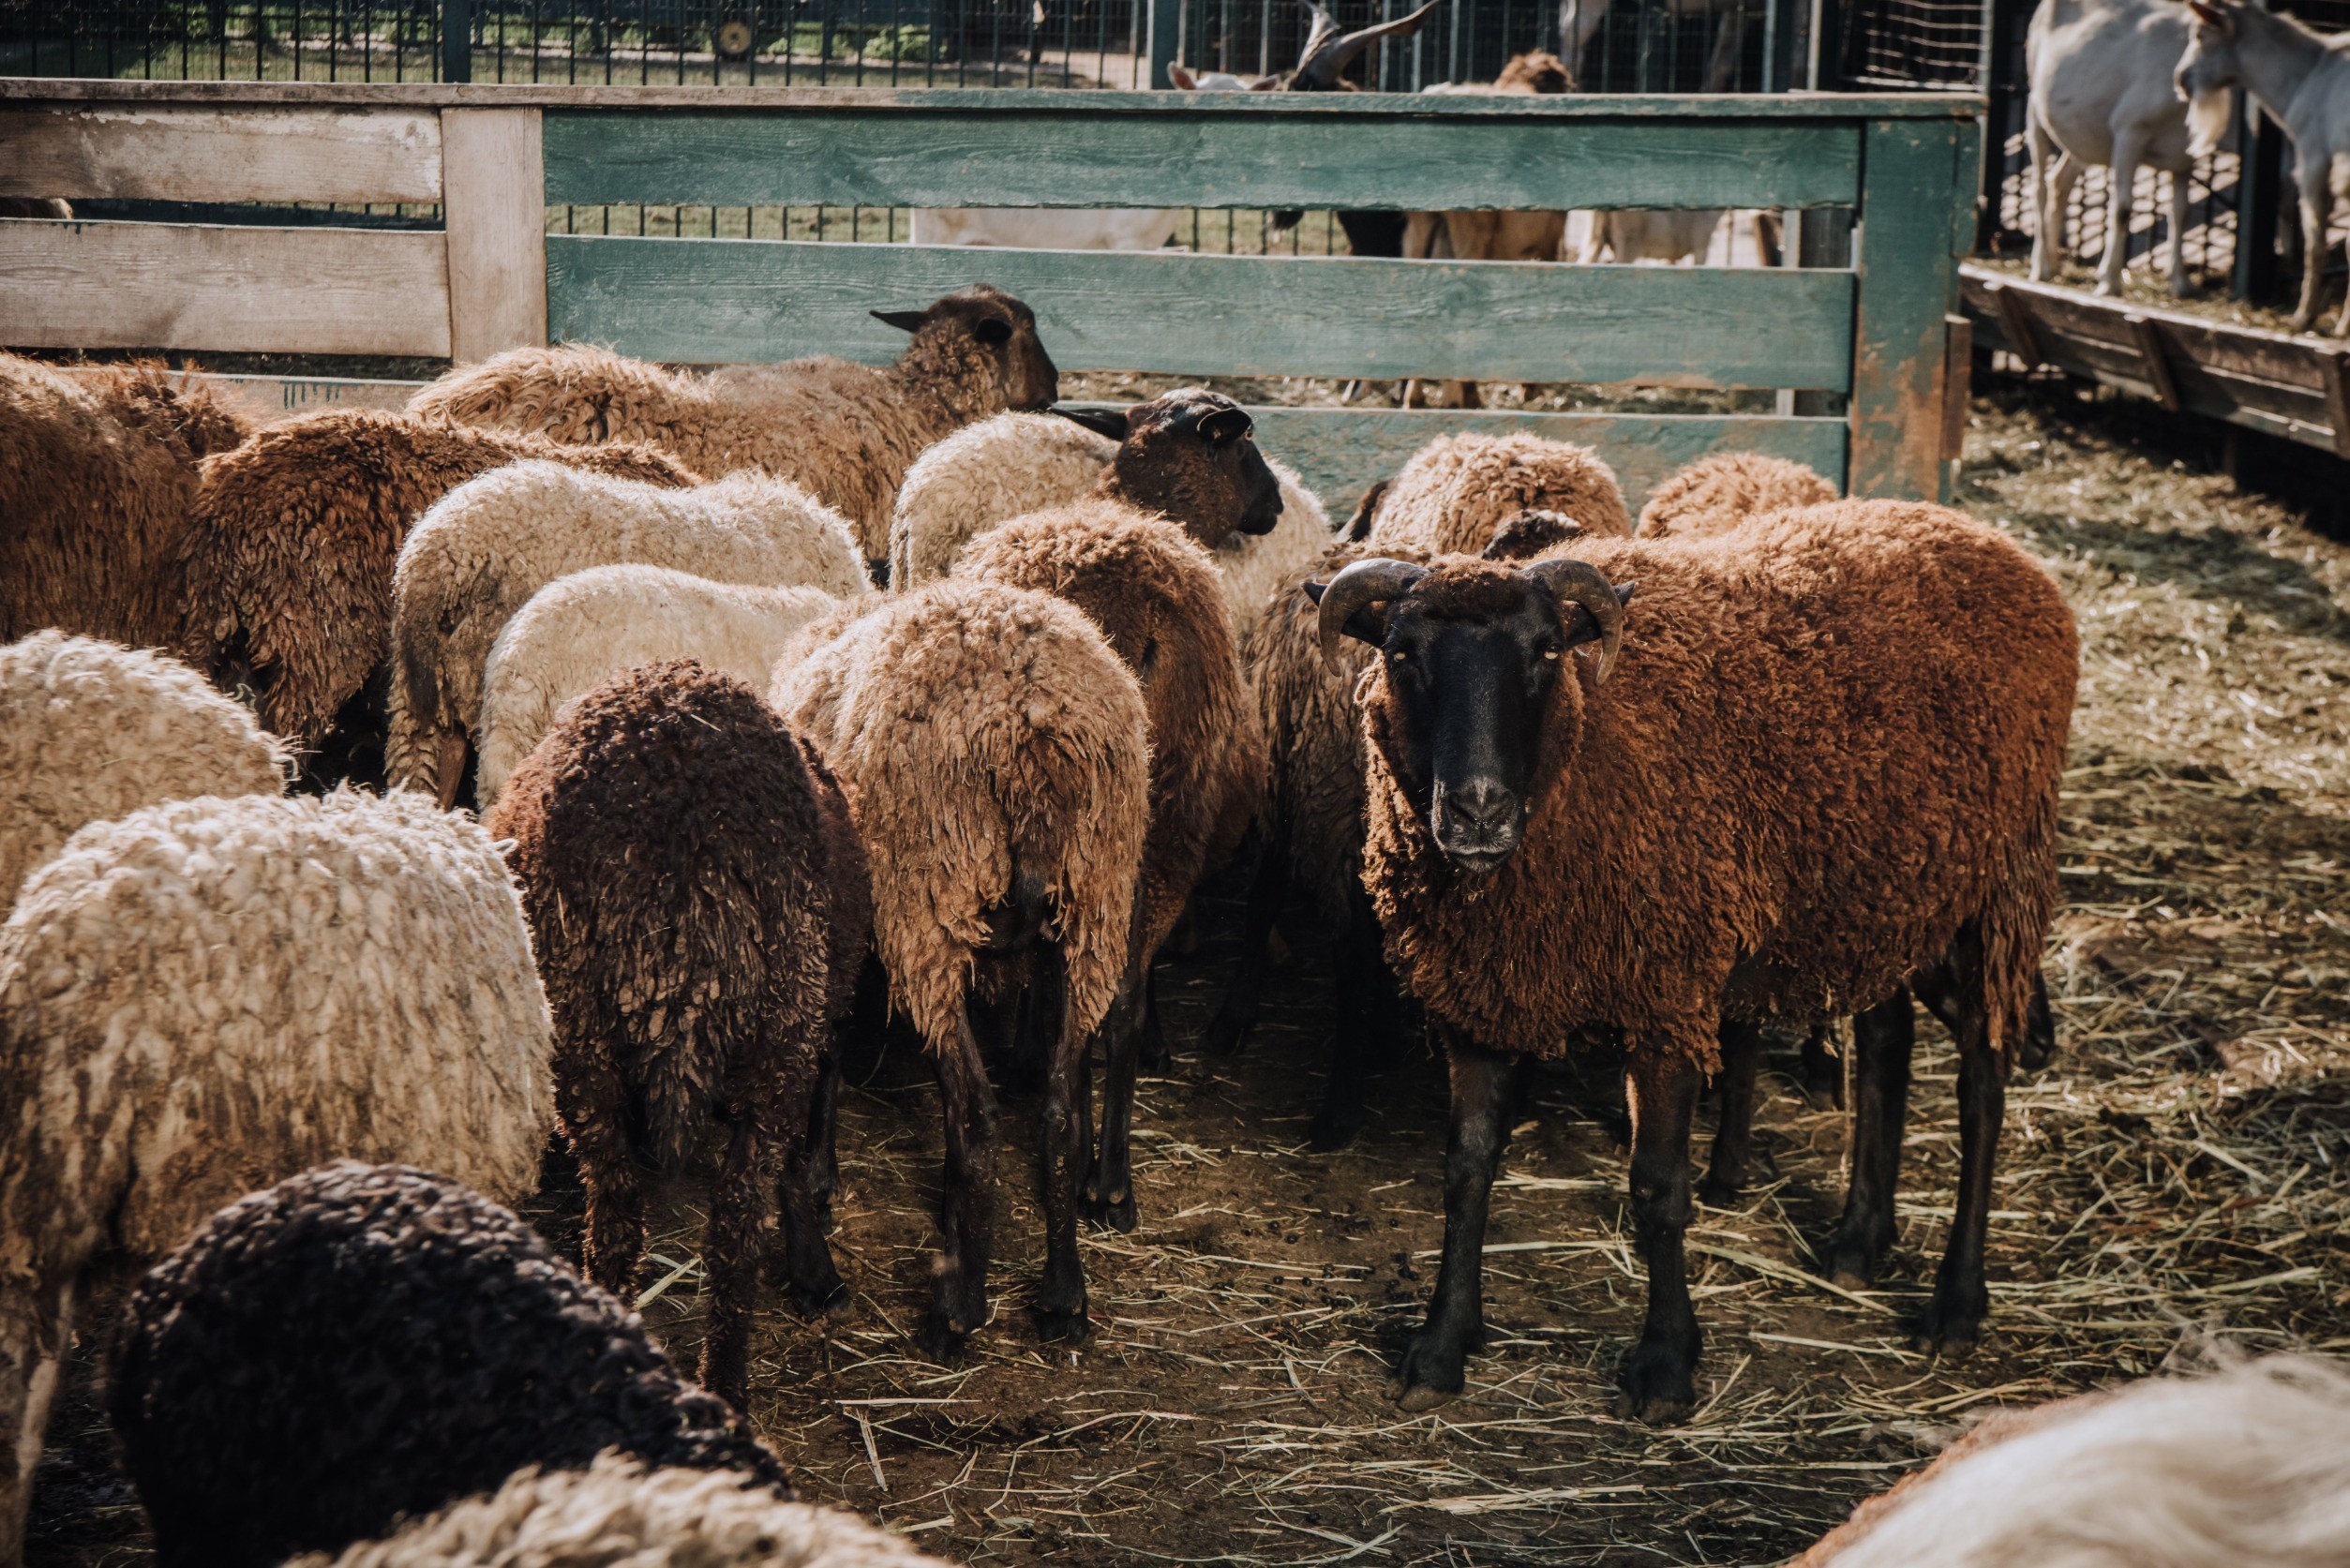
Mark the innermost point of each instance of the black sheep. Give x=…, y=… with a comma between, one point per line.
x=361, y=1342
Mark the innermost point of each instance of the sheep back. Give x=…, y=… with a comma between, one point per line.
x=672, y=850
x=984, y=737
x=90, y=730
x=290, y=549
x=1831, y=740
x=617, y=1512
x=1155, y=594
x=1452, y=494
x=97, y=476
x=579, y=395
x=581, y=630
x=489, y=543
x=204, y=996
x=984, y=475
x=364, y=1342
x=1721, y=491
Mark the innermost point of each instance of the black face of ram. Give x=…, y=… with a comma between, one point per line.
x=1468, y=699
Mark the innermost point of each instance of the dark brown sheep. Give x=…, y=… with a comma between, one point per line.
x=1662, y=858
x=1156, y=598
x=289, y=558
x=97, y=476
x=846, y=433
x=701, y=908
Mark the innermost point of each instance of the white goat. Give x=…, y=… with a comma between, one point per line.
x=2302, y=80
x=2100, y=75
x=1047, y=227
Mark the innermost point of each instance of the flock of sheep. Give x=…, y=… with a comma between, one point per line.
x=1566, y=783
x=2126, y=84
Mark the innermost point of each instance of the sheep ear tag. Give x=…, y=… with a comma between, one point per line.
x=905, y=320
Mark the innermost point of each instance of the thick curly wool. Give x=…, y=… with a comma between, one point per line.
x=96, y=475
x=2246, y=1469
x=289, y=550
x=1692, y=775
x=488, y=544
x=1724, y=489
x=618, y=1515
x=1456, y=490
x=205, y=996
x=89, y=731
x=581, y=630
x=695, y=931
x=364, y=1342
x=847, y=432
x=986, y=738
x=1154, y=594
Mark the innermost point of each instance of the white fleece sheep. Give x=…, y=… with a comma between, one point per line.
x=1017, y=463
x=209, y=995
x=90, y=730
x=478, y=556
x=2247, y=1469
x=579, y=631
x=618, y=1515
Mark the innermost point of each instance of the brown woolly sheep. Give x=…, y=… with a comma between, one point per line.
x=992, y=748
x=1502, y=495
x=1663, y=860
x=1724, y=489
x=846, y=432
x=699, y=924
x=96, y=475
x=289, y=558
x=90, y=731
x=1155, y=595
x=1456, y=490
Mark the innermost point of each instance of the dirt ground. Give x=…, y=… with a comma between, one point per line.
x=2173, y=1186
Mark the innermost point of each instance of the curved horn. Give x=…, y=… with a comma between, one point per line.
x=1366, y=582
x=1329, y=52
x=1579, y=583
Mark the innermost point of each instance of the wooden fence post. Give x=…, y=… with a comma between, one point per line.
x=493, y=183
x=1166, y=37
x=1915, y=175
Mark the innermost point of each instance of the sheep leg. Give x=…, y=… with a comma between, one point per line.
x=2039, y=1028
x=732, y=1247
x=1821, y=1069
x=804, y=1197
x=588, y=1097
x=1734, y=1128
x=1110, y=1185
x=1883, y=1039
x=959, y=1286
x=820, y=1155
x=1366, y=1024
x=35, y=1330
x=1658, y=1380
x=1150, y=1031
x=1434, y=1365
x=1236, y=1015
x=1958, y=993
x=1066, y=1139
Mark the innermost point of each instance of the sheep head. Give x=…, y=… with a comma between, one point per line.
x=1190, y=455
x=984, y=334
x=1470, y=654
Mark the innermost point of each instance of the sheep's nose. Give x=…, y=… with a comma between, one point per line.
x=1477, y=824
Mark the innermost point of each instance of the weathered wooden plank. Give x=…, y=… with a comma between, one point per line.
x=1908, y=274
x=1173, y=156
x=2147, y=340
x=496, y=226
x=2335, y=362
x=730, y=300
x=246, y=153
x=254, y=291
x=2016, y=321
x=1339, y=451
x=270, y=398
x=831, y=100
x=1958, y=368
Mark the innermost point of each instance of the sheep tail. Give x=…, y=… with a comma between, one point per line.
x=2014, y=927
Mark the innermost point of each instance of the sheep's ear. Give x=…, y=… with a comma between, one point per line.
x=1357, y=528
x=1368, y=624
x=905, y=320
x=1184, y=77
x=2211, y=16
x=1261, y=83
x=1101, y=421
x=1581, y=628
x=1224, y=425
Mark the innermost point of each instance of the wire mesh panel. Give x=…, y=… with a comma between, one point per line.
x=1912, y=43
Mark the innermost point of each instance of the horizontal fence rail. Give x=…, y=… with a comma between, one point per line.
x=1897, y=171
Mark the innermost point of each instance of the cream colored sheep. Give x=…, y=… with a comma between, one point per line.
x=618, y=1515
x=209, y=995
x=488, y=544
x=90, y=730
x=579, y=631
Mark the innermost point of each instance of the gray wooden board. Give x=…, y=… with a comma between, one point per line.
x=731, y=301
x=1075, y=155
x=1908, y=269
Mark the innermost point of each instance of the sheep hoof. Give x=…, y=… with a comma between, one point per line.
x=1225, y=1035
x=822, y=1300
x=1430, y=1373
x=939, y=1337
x=1656, y=1386
x=1850, y=1261
x=1420, y=1397
x=1720, y=1192
x=1334, y=1129
x=1057, y=1327
x=1117, y=1214
x=1950, y=1327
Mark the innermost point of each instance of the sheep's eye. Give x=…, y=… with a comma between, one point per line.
x=993, y=332
x=1399, y=655
x=1551, y=654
